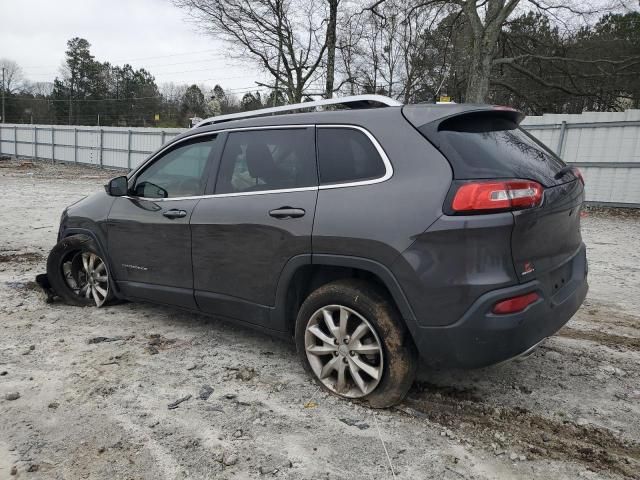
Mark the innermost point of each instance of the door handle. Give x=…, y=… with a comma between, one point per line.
x=174, y=213
x=287, y=212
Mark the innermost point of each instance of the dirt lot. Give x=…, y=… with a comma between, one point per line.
x=94, y=385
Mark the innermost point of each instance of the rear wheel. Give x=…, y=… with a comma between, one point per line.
x=351, y=339
x=78, y=273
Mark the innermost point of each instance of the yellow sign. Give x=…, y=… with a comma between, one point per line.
x=157, y=117
x=445, y=99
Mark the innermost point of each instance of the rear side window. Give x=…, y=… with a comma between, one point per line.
x=489, y=146
x=259, y=160
x=347, y=155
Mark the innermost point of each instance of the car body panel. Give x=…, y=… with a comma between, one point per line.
x=545, y=237
x=453, y=262
x=148, y=250
x=239, y=250
x=379, y=221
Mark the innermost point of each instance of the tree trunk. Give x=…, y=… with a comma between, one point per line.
x=479, y=75
x=484, y=42
x=331, y=46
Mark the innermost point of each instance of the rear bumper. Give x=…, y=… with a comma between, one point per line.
x=481, y=338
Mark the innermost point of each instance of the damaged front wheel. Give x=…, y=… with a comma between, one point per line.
x=78, y=273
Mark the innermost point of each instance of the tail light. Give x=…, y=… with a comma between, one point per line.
x=515, y=304
x=497, y=195
x=578, y=173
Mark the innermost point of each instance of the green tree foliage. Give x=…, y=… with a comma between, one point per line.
x=90, y=91
x=193, y=104
x=251, y=101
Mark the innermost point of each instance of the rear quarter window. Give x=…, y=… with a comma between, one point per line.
x=347, y=155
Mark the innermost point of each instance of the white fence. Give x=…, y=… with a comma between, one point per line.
x=606, y=147
x=103, y=146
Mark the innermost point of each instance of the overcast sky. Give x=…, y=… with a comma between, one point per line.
x=145, y=33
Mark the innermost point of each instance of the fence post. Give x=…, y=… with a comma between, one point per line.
x=162, y=138
x=75, y=145
x=35, y=142
x=560, y=147
x=15, y=141
x=129, y=150
x=100, y=153
x=53, y=145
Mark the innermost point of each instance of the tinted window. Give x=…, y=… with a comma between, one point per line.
x=490, y=146
x=178, y=173
x=267, y=160
x=347, y=155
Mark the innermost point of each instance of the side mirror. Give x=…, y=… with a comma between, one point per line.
x=117, y=187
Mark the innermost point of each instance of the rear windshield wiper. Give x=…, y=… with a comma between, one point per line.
x=563, y=171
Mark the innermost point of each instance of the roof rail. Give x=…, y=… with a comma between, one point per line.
x=355, y=101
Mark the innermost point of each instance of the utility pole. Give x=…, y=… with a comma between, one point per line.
x=3, y=69
x=275, y=95
x=70, y=97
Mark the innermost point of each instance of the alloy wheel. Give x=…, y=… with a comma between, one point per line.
x=86, y=274
x=344, y=351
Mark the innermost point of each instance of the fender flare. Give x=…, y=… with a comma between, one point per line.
x=382, y=272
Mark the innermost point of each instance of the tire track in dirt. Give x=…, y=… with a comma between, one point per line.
x=609, y=339
x=539, y=437
x=22, y=257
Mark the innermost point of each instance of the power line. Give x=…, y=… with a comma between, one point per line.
x=146, y=67
x=135, y=59
x=159, y=97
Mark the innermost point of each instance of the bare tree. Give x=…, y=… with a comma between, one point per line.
x=13, y=75
x=487, y=19
x=331, y=40
x=37, y=89
x=286, y=38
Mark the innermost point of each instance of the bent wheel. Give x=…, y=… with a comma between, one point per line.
x=78, y=273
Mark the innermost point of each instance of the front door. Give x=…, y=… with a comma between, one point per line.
x=260, y=216
x=149, y=237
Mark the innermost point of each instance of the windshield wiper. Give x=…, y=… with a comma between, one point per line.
x=563, y=171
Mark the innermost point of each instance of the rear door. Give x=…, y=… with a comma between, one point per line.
x=259, y=217
x=149, y=238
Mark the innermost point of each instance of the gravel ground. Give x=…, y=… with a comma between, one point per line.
x=95, y=387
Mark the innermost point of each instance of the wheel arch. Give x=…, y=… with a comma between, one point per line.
x=68, y=232
x=305, y=273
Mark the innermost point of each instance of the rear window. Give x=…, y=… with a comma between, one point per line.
x=273, y=159
x=347, y=155
x=484, y=145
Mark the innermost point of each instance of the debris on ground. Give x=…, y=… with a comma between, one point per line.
x=205, y=392
x=174, y=405
x=246, y=373
x=95, y=340
x=354, y=423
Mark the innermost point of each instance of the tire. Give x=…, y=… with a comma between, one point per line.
x=78, y=273
x=361, y=303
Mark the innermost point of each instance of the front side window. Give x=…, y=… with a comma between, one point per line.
x=178, y=173
x=347, y=155
x=275, y=159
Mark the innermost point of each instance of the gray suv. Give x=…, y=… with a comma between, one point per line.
x=372, y=234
